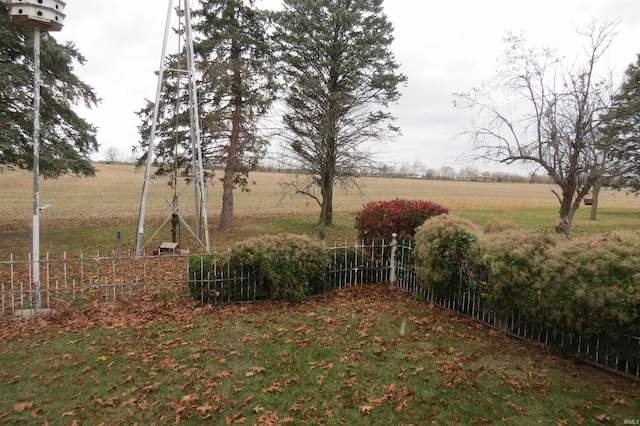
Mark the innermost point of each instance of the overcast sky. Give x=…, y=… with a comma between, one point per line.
x=443, y=47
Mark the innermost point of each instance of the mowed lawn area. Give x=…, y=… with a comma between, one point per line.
x=86, y=213
x=365, y=355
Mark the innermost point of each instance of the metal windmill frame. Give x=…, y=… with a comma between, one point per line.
x=201, y=231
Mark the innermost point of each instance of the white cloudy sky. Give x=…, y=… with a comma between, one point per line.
x=443, y=47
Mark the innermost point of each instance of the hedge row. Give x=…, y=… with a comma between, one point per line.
x=588, y=285
x=276, y=267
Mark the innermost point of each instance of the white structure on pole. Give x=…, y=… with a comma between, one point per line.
x=41, y=15
x=201, y=231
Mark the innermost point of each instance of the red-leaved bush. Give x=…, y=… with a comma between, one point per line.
x=379, y=219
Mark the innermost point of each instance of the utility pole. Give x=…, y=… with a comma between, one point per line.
x=40, y=15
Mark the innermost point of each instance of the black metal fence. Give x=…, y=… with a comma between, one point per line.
x=111, y=278
x=620, y=354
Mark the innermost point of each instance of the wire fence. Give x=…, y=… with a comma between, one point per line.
x=620, y=354
x=109, y=278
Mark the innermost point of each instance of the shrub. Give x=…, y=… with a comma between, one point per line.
x=444, y=246
x=379, y=219
x=588, y=286
x=279, y=267
x=591, y=285
x=512, y=261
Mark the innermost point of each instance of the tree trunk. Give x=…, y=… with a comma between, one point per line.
x=231, y=165
x=328, y=220
x=568, y=210
x=226, y=214
x=594, y=201
x=322, y=233
x=326, y=191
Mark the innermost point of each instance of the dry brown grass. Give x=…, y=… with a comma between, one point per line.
x=113, y=196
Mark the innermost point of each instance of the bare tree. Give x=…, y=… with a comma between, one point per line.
x=446, y=172
x=549, y=115
x=112, y=154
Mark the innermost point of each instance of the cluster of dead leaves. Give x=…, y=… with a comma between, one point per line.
x=141, y=312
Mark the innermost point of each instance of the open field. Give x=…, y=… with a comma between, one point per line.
x=86, y=213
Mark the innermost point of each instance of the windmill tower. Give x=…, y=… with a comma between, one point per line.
x=172, y=214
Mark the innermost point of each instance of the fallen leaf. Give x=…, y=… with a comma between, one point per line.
x=189, y=398
x=294, y=407
x=130, y=401
x=204, y=408
x=619, y=401
x=604, y=418
x=543, y=388
x=150, y=388
x=518, y=408
x=254, y=371
x=365, y=409
x=177, y=407
x=274, y=387
x=22, y=406
x=102, y=358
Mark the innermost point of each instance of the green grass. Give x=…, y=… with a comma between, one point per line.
x=88, y=239
x=338, y=359
x=544, y=219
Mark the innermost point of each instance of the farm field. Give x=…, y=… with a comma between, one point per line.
x=86, y=213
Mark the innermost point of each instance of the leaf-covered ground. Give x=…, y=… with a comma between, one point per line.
x=368, y=354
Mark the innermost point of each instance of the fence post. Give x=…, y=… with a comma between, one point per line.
x=392, y=261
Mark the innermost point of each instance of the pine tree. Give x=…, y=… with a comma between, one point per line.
x=622, y=133
x=235, y=89
x=238, y=88
x=66, y=140
x=340, y=76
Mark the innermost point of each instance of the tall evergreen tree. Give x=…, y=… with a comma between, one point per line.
x=66, y=139
x=623, y=133
x=238, y=88
x=340, y=76
x=235, y=89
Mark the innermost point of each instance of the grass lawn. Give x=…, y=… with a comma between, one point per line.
x=337, y=359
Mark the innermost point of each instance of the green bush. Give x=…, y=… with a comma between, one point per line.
x=592, y=284
x=588, y=286
x=379, y=219
x=445, y=252
x=512, y=260
x=278, y=267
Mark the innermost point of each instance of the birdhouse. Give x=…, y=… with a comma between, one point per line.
x=168, y=249
x=47, y=15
